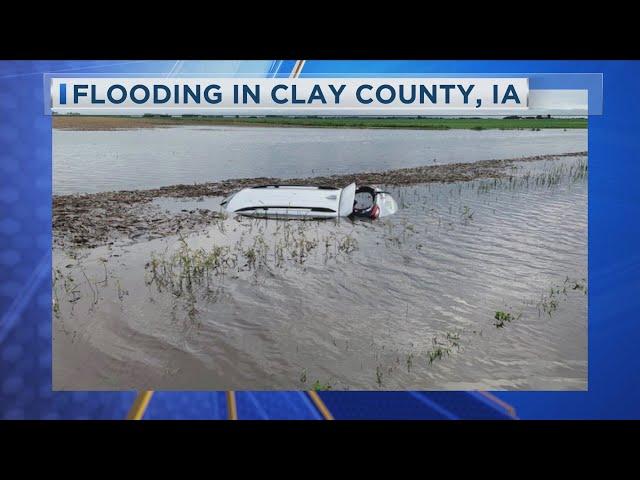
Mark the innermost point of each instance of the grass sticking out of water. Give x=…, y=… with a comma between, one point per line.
x=466, y=215
x=69, y=285
x=502, y=318
x=319, y=386
x=121, y=292
x=444, y=348
x=188, y=267
x=192, y=274
x=547, y=303
x=550, y=301
x=552, y=177
x=437, y=353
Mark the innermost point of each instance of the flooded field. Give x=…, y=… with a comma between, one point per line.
x=473, y=284
x=153, y=158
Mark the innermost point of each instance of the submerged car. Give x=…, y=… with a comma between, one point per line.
x=292, y=201
x=372, y=202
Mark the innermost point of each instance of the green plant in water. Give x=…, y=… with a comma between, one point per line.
x=579, y=285
x=467, y=214
x=453, y=338
x=318, y=386
x=436, y=354
x=379, y=376
x=502, y=318
x=409, y=362
x=121, y=291
x=250, y=255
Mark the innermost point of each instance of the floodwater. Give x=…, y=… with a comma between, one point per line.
x=471, y=285
x=97, y=161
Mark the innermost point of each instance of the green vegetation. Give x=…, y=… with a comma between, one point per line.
x=502, y=318
x=552, y=177
x=187, y=267
x=319, y=386
x=437, y=353
x=379, y=375
x=467, y=215
x=420, y=123
x=409, y=362
x=413, y=123
x=549, y=302
x=440, y=349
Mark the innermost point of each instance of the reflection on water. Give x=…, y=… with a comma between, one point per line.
x=95, y=161
x=473, y=285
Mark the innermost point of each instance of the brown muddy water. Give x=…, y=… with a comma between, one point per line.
x=477, y=284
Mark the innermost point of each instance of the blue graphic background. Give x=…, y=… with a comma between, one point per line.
x=614, y=258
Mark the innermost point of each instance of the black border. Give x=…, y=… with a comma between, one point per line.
x=446, y=30
x=324, y=447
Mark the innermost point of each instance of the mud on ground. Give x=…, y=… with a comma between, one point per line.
x=91, y=220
